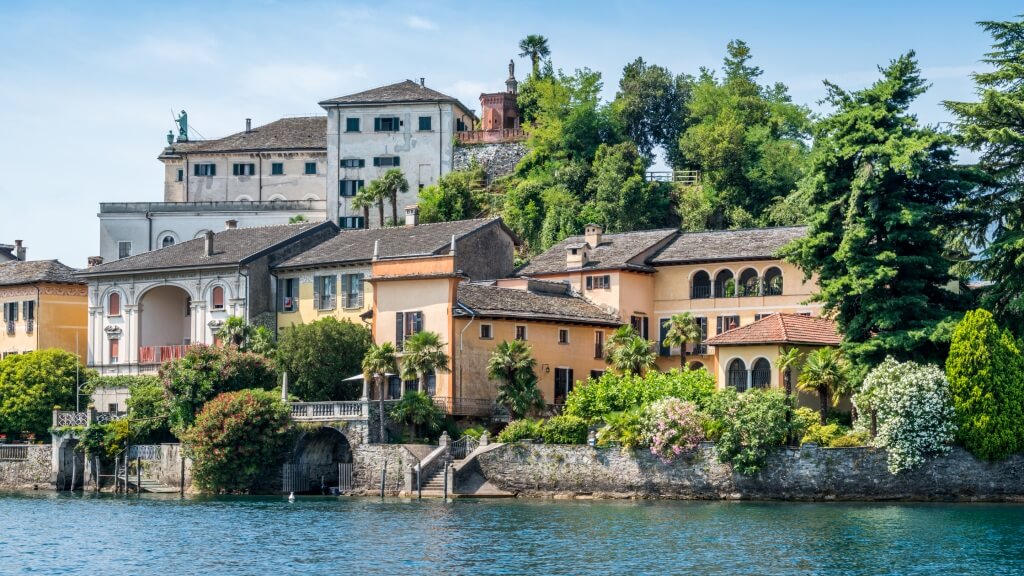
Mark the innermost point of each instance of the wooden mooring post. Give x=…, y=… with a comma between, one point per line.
x=383, y=474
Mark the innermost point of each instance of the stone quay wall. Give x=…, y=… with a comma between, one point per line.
x=369, y=459
x=497, y=160
x=808, y=473
x=36, y=471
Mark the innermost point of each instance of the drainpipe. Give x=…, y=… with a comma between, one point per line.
x=259, y=186
x=36, y=318
x=244, y=274
x=462, y=334
x=149, y=220
x=440, y=143
x=185, y=176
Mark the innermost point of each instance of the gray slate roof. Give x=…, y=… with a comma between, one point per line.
x=231, y=247
x=719, y=245
x=353, y=246
x=403, y=92
x=492, y=301
x=7, y=252
x=615, y=251
x=300, y=133
x=33, y=271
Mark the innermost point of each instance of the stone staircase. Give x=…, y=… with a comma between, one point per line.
x=433, y=485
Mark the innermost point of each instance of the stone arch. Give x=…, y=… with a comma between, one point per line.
x=276, y=198
x=725, y=283
x=313, y=464
x=70, y=465
x=772, y=281
x=761, y=373
x=311, y=197
x=700, y=285
x=164, y=316
x=749, y=282
x=243, y=198
x=166, y=239
x=696, y=365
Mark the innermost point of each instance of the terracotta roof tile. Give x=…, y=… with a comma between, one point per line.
x=781, y=329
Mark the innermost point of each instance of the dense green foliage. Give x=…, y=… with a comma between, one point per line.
x=523, y=429
x=236, y=438
x=456, y=196
x=682, y=330
x=614, y=393
x=825, y=372
x=651, y=105
x=206, y=371
x=564, y=429
x=423, y=354
x=248, y=338
x=748, y=426
x=32, y=385
x=319, y=356
x=148, y=409
x=512, y=364
x=379, y=361
x=881, y=191
x=417, y=411
x=627, y=429
x=985, y=369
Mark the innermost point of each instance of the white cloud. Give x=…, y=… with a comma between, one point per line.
x=417, y=23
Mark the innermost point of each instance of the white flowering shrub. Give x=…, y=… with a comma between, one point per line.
x=914, y=411
x=674, y=426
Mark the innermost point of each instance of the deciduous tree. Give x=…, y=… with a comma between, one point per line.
x=319, y=356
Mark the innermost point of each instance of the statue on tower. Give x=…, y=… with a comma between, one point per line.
x=182, y=122
x=511, y=86
x=511, y=68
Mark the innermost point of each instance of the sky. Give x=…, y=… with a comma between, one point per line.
x=87, y=89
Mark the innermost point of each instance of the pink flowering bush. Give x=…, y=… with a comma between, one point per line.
x=674, y=426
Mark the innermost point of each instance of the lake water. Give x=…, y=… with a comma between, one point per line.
x=108, y=534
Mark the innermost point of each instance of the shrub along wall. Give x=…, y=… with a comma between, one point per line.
x=808, y=473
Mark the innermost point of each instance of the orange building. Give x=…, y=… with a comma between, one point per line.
x=44, y=306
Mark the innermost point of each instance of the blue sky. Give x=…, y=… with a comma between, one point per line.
x=87, y=88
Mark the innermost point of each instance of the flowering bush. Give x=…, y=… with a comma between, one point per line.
x=748, y=426
x=674, y=425
x=914, y=411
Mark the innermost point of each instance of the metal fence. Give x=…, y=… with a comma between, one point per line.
x=13, y=452
x=317, y=478
x=463, y=447
x=147, y=452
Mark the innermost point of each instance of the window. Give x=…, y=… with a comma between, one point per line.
x=167, y=241
x=351, y=222
x=352, y=290
x=28, y=310
x=181, y=175
x=115, y=350
x=114, y=304
x=310, y=168
x=726, y=323
x=563, y=336
x=353, y=163
x=520, y=332
x=700, y=287
x=759, y=316
x=10, y=311
x=773, y=282
x=725, y=284
x=124, y=249
x=486, y=332
x=217, y=298
x=385, y=161
x=394, y=387
x=640, y=324
x=599, y=344
x=737, y=375
x=204, y=169
x=277, y=168
x=596, y=374
x=243, y=169
x=388, y=124
x=351, y=124
x=349, y=188
x=761, y=374
x=324, y=291
x=407, y=324
x=701, y=348
x=287, y=294
x=599, y=282
x=663, y=348
x=563, y=384
x=425, y=124
x=112, y=407
x=750, y=284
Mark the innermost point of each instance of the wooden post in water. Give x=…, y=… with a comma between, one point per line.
x=138, y=474
x=96, y=472
x=181, y=488
x=74, y=471
x=383, y=473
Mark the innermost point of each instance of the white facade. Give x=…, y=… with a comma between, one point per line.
x=146, y=226
x=364, y=155
x=255, y=176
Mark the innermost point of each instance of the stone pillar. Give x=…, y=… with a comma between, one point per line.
x=284, y=387
x=485, y=439
x=444, y=440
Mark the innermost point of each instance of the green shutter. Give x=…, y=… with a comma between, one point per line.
x=395, y=123
x=376, y=161
x=395, y=163
x=376, y=124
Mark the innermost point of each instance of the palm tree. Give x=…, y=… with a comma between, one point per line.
x=422, y=354
x=635, y=356
x=786, y=361
x=392, y=183
x=620, y=337
x=534, y=47
x=417, y=410
x=378, y=362
x=825, y=372
x=375, y=193
x=234, y=331
x=683, y=329
x=363, y=200
x=512, y=363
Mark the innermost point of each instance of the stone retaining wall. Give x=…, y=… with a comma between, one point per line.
x=808, y=473
x=36, y=471
x=496, y=159
x=369, y=459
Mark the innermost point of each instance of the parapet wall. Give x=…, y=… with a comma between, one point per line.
x=807, y=473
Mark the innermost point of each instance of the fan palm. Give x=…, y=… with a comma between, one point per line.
x=379, y=361
x=787, y=360
x=423, y=354
x=376, y=194
x=391, y=184
x=512, y=363
x=825, y=371
x=234, y=331
x=363, y=200
x=621, y=336
x=683, y=329
x=534, y=47
x=635, y=356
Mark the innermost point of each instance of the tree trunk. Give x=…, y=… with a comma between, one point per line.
x=682, y=356
x=366, y=216
x=380, y=417
x=823, y=398
x=394, y=209
x=380, y=211
x=422, y=384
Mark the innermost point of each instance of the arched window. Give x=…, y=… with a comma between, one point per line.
x=749, y=283
x=217, y=298
x=725, y=284
x=700, y=286
x=696, y=365
x=737, y=375
x=773, y=282
x=114, y=304
x=167, y=241
x=761, y=374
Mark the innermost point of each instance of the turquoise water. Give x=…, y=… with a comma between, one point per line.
x=96, y=535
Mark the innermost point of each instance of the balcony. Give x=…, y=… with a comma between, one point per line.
x=161, y=354
x=10, y=327
x=699, y=291
x=465, y=406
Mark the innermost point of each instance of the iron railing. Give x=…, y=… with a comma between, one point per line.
x=350, y=300
x=700, y=291
x=684, y=177
x=161, y=354
x=13, y=452
x=738, y=379
x=465, y=406
x=760, y=378
x=30, y=326
x=463, y=447
x=146, y=452
x=62, y=418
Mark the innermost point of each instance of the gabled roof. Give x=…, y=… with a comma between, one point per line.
x=719, y=245
x=7, y=252
x=231, y=247
x=493, y=302
x=355, y=246
x=299, y=133
x=781, y=329
x=35, y=271
x=616, y=251
x=405, y=92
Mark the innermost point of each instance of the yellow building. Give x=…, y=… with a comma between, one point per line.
x=44, y=306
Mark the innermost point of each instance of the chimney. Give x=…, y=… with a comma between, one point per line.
x=577, y=255
x=19, y=250
x=412, y=215
x=209, y=243
x=248, y=125
x=592, y=234
x=95, y=261
x=230, y=224
x=423, y=82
